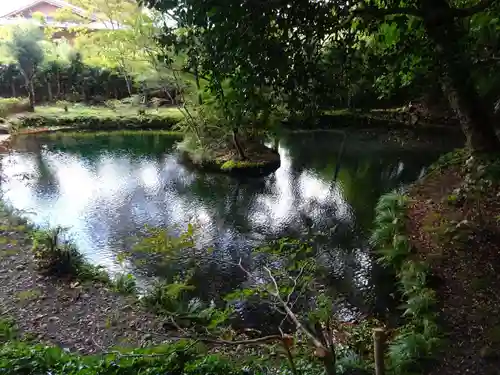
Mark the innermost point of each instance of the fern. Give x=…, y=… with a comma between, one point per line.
x=420, y=303
x=413, y=276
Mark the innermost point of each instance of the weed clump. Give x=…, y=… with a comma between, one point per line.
x=125, y=283
x=57, y=256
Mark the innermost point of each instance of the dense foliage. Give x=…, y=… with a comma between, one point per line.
x=415, y=343
x=301, y=53
x=181, y=358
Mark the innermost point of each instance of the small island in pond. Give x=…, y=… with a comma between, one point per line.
x=258, y=160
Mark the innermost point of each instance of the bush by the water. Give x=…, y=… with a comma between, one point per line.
x=415, y=343
x=11, y=106
x=98, y=123
x=57, y=256
x=125, y=283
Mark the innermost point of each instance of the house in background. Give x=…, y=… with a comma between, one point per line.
x=49, y=8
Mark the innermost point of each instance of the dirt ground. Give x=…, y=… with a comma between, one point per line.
x=86, y=319
x=462, y=246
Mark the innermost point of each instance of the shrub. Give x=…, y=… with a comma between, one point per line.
x=18, y=358
x=450, y=159
x=57, y=256
x=11, y=106
x=98, y=123
x=415, y=343
x=125, y=283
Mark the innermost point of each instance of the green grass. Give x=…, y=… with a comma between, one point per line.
x=97, y=118
x=57, y=256
x=125, y=284
x=11, y=106
x=80, y=110
x=8, y=329
x=105, y=133
x=185, y=357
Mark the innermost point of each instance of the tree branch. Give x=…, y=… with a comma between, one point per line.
x=317, y=343
x=209, y=340
x=480, y=7
x=373, y=11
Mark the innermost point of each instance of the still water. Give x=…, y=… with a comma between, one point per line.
x=107, y=188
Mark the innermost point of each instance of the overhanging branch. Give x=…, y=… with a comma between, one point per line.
x=480, y=7
x=373, y=11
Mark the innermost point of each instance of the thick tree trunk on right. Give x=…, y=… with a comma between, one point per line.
x=475, y=117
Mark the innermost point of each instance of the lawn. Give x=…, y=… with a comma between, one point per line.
x=123, y=110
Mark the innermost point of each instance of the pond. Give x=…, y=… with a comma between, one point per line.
x=106, y=188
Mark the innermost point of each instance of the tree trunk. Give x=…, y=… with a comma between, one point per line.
x=237, y=144
x=49, y=90
x=474, y=116
x=31, y=95
x=13, y=88
x=58, y=77
x=128, y=83
x=198, y=87
x=329, y=363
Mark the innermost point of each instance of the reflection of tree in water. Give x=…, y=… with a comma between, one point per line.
x=237, y=215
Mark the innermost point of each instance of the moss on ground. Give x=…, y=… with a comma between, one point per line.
x=234, y=164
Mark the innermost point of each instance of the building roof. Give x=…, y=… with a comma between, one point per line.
x=12, y=17
x=56, y=3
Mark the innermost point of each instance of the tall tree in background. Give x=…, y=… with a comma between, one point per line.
x=26, y=51
x=121, y=36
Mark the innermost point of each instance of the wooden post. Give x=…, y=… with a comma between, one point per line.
x=379, y=350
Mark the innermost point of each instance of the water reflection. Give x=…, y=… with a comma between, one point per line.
x=106, y=188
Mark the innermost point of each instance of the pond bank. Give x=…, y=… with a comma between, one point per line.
x=460, y=241
x=86, y=318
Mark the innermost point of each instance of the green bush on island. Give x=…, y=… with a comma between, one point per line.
x=233, y=164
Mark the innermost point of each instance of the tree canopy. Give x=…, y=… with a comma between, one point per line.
x=295, y=48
